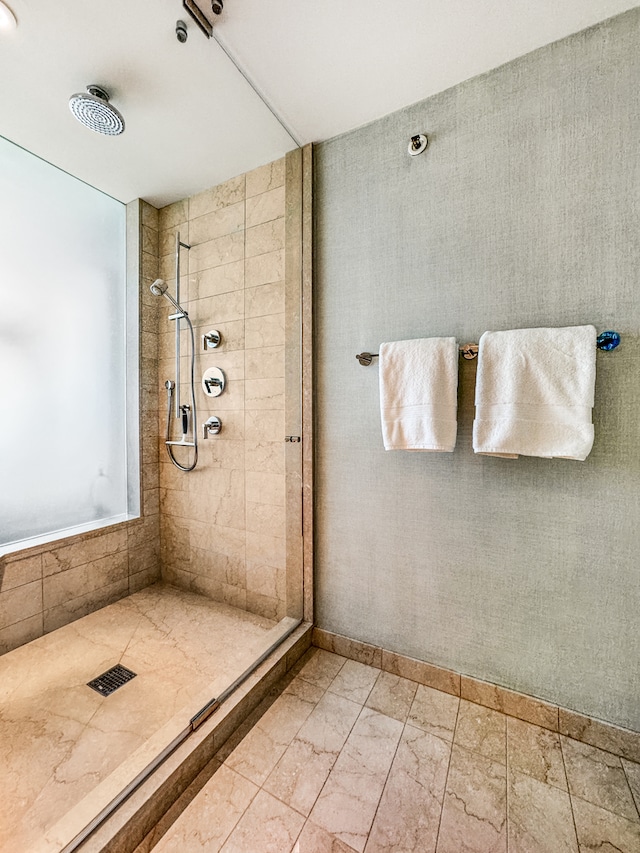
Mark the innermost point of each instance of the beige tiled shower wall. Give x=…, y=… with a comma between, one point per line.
x=47, y=586
x=223, y=525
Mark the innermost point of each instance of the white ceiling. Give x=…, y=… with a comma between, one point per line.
x=192, y=119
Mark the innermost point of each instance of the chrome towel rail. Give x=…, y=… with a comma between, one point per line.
x=466, y=351
x=605, y=341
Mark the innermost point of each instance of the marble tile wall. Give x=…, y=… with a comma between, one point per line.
x=224, y=524
x=47, y=586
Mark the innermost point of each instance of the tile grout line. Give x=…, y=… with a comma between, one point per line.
x=386, y=781
x=598, y=805
x=306, y=817
x=507, y=779
x=253, y=727
x=245, y=810
x=633, y=798
x=244, y=372
x=42, y=589
x=444, y=793
x=573, y=816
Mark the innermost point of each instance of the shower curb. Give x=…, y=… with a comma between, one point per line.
x=128, y=826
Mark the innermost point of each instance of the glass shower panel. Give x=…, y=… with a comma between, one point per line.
x=62, y=350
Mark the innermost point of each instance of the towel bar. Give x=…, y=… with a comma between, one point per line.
x=605, y=341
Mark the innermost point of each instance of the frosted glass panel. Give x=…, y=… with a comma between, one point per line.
x=62, y=350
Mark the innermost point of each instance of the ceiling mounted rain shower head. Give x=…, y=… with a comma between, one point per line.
x=92, y=108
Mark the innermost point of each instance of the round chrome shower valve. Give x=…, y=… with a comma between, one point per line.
x=213, y=381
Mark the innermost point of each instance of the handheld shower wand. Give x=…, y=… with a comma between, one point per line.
x=161, y=288
x=185, y=412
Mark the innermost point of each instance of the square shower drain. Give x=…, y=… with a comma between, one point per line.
x=110, y=680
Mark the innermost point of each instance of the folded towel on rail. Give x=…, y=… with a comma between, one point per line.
x=418, y=394
x=534, y=393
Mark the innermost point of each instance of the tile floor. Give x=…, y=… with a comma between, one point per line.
x=66, y=751
x=349, y=758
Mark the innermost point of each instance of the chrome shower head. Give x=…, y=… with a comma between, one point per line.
x=92, y=108
x=159, y=287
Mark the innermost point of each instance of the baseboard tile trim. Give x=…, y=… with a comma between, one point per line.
x=614, y=739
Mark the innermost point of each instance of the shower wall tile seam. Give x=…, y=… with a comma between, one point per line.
x=67, y=541
x=21, y=571
x=598, y=733
x=24, y=601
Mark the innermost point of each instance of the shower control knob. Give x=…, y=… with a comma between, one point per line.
x=213, y=381
x=211, y=426
x=211, y=340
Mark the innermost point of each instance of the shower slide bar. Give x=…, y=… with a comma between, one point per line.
x=605, y=341
x=177, y=318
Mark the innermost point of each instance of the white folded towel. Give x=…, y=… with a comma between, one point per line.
x=418, y=394
x=534, y=393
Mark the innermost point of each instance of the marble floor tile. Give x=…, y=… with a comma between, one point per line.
x=392, y=695
x=597, y=776
x=408, y=816
x=355, y=681
x=539, y=817
x=302, y=771
x=482, y=730
x=474, y=813
x=632, y=771
x=171, y=815
x=259, y=752
x=267, y=826
x=601, y=831
x=60, y=741
x=320, y=667
x=347, y=805
x=415, y=770
x=212, y=815
x=434, y=711
x=535, y=752
x=313, y=839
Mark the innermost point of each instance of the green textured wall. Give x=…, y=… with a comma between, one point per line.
x=523, y=212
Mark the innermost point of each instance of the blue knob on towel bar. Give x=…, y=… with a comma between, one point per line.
x=607, y=341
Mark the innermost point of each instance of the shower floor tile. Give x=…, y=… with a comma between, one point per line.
x=377, y=764
x=64, y=747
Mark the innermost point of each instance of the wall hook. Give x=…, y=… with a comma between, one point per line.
x=418, y=144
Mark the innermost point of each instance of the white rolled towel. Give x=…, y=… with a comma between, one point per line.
x=535, y=393
x=418, y=394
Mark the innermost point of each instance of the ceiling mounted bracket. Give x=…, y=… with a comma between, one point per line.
x=199, y=17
